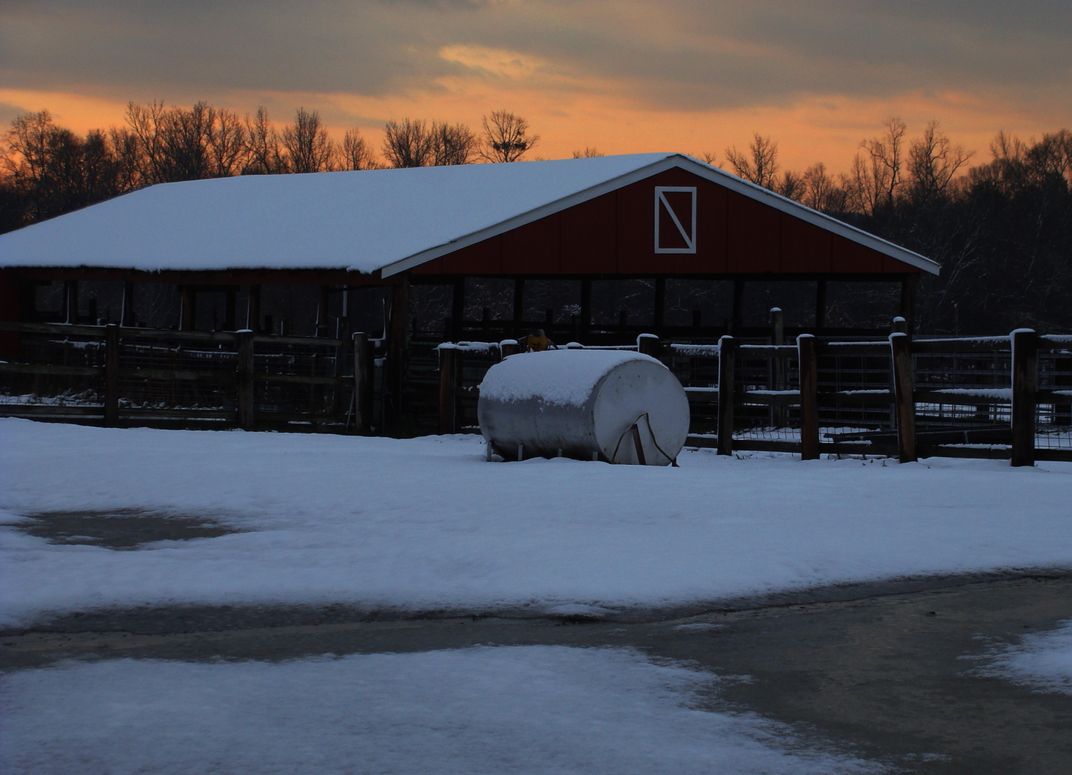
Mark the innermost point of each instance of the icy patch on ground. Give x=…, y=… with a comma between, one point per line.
x=1042, y=661
x=541, y=709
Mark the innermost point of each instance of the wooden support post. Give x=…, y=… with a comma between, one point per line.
x=244, y=381
x=1024, y=395
x=820, y=306
x=909, y=286
x=727, y=353
x=362, y=383
x=187, y=308
x=737, y=319
x=648, y=344
x=904, y=396
x=777, y=365
x=127, y=317
x=322, y=317
x=586, y=308
x=230, y=322
x=111, y=375
x=397, y=351
x=449, y=367
x=457, y=309
x=253, y=308
x=660, y=303
x=808, y=363
x=519, y=303
x=70, y=302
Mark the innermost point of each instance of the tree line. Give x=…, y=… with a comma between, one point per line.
x=1001, y=228
x=47, y=170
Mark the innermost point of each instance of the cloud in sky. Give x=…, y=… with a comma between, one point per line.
x=640, y=62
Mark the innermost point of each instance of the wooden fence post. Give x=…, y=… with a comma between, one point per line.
x=727, y=352
x=245, y=372
x=1024, y=395
x=808, y=363
x=648, y=344
x=448, y=389
x=362, y=383
x=111, y=374
x=508, y=347
x=903, y=396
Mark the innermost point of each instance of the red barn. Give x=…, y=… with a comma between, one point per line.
x=590, y=249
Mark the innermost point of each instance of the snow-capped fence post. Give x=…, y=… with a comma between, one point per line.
x=244, y=379
x=727, y=351
x=648, y=344
x=903, y=396
x=111, y=374
x=808, y=363
x=362, y=383
x=1025, y=345
x=448, y=388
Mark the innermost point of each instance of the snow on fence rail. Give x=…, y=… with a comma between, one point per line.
x=900, y=396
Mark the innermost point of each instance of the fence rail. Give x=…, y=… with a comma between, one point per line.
x=1001, y=397
x=120, y=376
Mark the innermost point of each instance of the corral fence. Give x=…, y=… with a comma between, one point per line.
x=995, y=397
x=120, y=376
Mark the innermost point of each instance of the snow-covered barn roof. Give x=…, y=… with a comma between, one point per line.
x=387, y=220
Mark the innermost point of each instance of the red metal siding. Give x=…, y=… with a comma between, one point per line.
x=754, y=244
x=614, y=234
x=804, y=248
x=588, y=236
x=532, y=248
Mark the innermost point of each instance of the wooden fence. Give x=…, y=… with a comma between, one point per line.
x=999, y=397
x=119, y=376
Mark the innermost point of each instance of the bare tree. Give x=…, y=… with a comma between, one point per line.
x=227, y=144
x=407, y=143
x=877, y=177
x=759, y=164
x=506, y=137
x=172, y=144
x=818, y=188
x=791, y=186
x=354, y=153
x=265, y=153
x=452, y=144
x=55, y=170
x=307, y=145
x=933, y=162
x=587, y=153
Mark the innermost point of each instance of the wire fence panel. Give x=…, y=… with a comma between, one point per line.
x=1053, y=419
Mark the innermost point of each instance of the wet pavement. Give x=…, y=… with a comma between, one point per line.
x=883, y=670
x=119, y=528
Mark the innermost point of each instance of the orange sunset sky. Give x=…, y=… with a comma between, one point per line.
x=620, y=76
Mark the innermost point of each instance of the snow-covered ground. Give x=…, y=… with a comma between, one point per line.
x=494, y=710
x=1042, y=661
x=428, y=524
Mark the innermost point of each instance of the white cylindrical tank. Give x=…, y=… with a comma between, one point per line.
x=583, y=404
